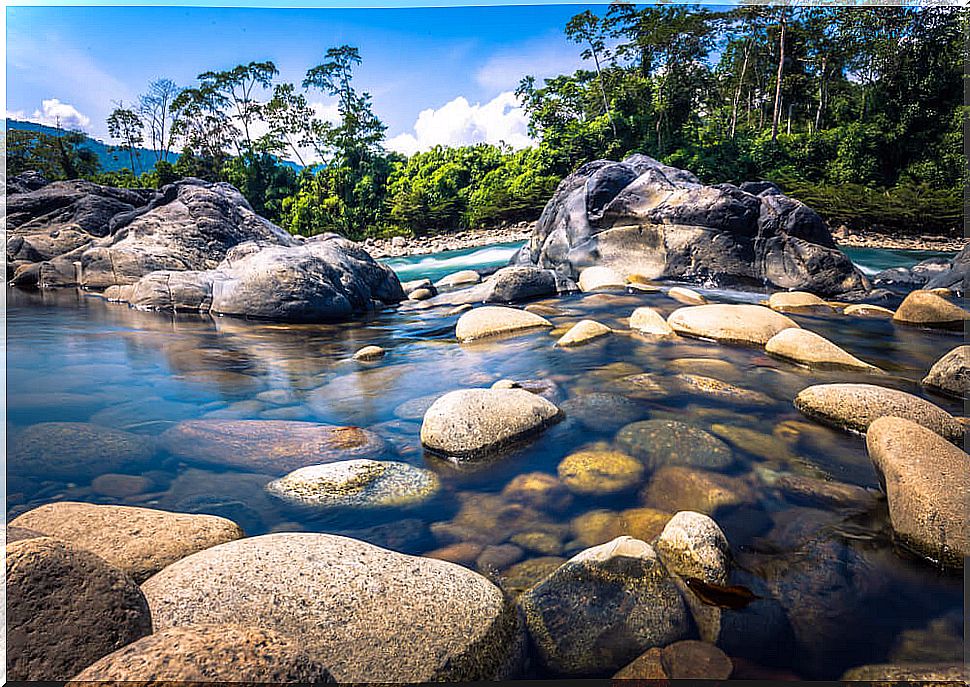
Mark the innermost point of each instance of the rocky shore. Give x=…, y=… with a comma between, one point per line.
x=873, y=239
x=404, y=246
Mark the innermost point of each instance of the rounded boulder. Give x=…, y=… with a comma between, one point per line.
x=366, y=613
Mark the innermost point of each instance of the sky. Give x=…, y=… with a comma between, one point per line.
x=436, y=75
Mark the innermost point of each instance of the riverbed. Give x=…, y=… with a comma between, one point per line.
x=72, y=357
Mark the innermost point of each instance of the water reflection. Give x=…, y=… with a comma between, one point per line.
x=129, y=376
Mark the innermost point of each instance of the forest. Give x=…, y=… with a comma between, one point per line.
x=858, y=112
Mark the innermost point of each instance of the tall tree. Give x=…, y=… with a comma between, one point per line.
x=125, y=125
x=155, y=108
x=587, y=28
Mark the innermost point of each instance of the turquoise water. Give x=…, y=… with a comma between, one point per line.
x=436, y=266
x=869, y=260
x=72, y=357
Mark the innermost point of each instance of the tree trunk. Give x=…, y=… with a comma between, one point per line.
x=737, y=92
x=776, y=115
x=599, y=77
x=821, y=95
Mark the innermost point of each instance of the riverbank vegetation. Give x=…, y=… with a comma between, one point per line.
x=858, y=112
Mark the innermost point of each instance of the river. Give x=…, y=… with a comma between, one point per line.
x=73, y=358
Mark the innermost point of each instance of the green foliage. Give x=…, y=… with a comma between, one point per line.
x=56, y=157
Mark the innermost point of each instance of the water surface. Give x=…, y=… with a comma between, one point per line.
x=72, y=357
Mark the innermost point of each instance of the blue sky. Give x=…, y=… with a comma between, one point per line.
x=437, y=75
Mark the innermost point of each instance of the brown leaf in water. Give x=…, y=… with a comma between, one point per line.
x=734, y=597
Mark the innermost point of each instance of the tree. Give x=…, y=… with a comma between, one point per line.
x=586, y=28
x=234, y=89
x=125, y=125
x=360, y=131
x=291, y=122
x=56, y=156
x=782, y=30
x=155, y=108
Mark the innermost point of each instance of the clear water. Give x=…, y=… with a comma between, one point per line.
x=73, y=357
x=872, y=260
x=437, y=265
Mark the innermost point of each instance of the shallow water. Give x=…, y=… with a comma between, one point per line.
x=73, y=357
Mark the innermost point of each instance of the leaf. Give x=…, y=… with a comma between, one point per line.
x=733, y=597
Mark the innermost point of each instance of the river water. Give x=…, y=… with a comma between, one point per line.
x=853, y=598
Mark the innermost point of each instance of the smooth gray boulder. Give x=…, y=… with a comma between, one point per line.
x=471, y=423
x=642, y=217
x=604, y=607
x=324, y=279
x=367, y=614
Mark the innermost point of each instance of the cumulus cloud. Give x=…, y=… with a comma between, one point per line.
x=53, y=112
x=458, y=123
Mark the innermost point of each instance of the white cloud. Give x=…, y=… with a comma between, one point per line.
x=459, y=123
x=541, y=59
x=55, y=113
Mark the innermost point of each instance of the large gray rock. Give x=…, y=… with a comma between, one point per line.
x=927, y=482
x=138, y=541
x=208, y=653
x=643, y=217
x=326, y=278
x=66, y=608
x=192, y=246
x=603, y=608
x=954, y=278
x=366, y=613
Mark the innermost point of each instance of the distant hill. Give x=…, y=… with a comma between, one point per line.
x=111, y=160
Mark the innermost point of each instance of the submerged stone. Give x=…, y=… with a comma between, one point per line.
x=76, y=450
x=269, y=446
x=599, y=471
x=356, y=484
x=667, y=442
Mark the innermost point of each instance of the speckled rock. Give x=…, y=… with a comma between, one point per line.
x=137, y=541
x=75, y=450
x=855, y=406
x=693, y=546
x=810, y=349
x=925, y=309
x=539, y=490
x=927, y=482
x=473, y=422
x=765, y=446
x=495, y=320
x=521, y=576
x=667, y=442
x=797, y=301
x=827, y=493
x=951, y=373
x=269, y=446
x=647, y=386
x=908, y=674
x=600, y=526
x=368, y=614
x=871, y=311
x=369, y=353
x=720, y=391
x=583, y=332
x=12, y=534
x=208, y=653
x=603, y=608
x=597, y=278
x=675, y=488
x=66, y=608
x=358, y=483
x=597, y=471
x=651, y=323
x=686, y=296
x=744, y=324
x=603, y=412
